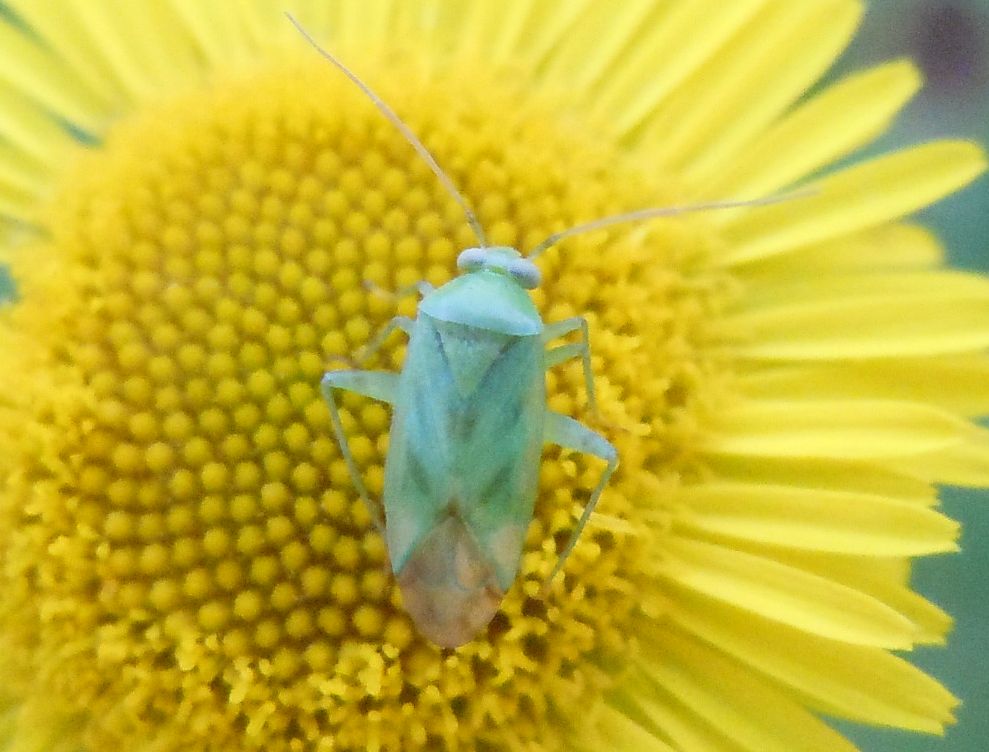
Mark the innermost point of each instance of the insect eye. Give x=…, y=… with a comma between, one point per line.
x=471, y=259
x=524, y=272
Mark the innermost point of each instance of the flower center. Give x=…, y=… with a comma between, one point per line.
x=186, y=558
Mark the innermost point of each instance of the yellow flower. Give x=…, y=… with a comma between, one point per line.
x=192, y=201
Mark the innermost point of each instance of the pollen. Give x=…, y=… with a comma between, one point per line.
x=184, y=539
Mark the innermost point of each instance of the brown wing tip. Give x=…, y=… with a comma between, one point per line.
x=448, y=587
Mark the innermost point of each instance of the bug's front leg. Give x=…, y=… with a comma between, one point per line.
x=422, y=288
x=373, y=345
x=582, y=349
x=379, y=385
x=571, y=434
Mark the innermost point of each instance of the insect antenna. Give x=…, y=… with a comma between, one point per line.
x=663, y=211
x=411, y=137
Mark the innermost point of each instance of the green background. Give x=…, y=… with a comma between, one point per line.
x=950, y=40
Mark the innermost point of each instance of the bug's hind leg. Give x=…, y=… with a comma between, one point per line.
x=571, y=434
x=582, y=350
x=379, y=385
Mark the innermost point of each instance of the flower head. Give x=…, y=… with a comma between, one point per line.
x=194, y=202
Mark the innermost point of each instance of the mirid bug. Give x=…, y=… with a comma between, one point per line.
x=469, y=421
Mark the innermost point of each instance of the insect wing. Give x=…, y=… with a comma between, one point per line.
x=420, y=452
x=500, y=440
x=462, y=472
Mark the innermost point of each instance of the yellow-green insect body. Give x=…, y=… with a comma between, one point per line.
x=461, y=481
x=468, y=426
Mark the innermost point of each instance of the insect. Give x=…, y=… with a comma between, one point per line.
x=469, y=422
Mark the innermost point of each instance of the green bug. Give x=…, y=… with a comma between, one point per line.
x=469, y=421
x=468, y=426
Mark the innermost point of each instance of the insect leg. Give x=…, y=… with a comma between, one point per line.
x=378, y=340
x=379, y=385
x=422, y=288
x=571, y=434
x=582, y=349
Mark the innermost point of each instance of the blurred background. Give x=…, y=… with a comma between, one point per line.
x=949, y=39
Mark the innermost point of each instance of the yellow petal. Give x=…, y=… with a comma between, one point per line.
x=895, y=246
x=217, y=29
x=966, y=464
x=814, y=604
x=886, y=584
x=28, y=68
x=829, y=126
x=31, y=130
x=57, y=22
x=854, y=199
x=142, y=48
x=815, y=519
x=739, y=91
x=860, y=683
x=959, y=384
x=839, y=429
x=663, y=56
x=866, y=316
x=367, y=21
x=14, y=203
x=547, y=24
x=495, y=31
x=826, y=474
x=614, y=730
x=685, y=730
x=20, y=173
x=760, y=101
x=877, y=286
x=751, y=712
x=585, y=52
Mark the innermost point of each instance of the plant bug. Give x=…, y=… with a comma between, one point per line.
x=469, y=421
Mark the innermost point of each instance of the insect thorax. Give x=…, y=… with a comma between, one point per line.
x=487, y=300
